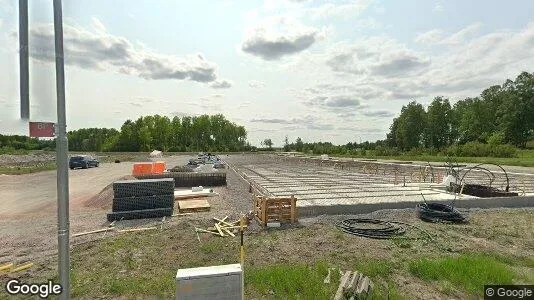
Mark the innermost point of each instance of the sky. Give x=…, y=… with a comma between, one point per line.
x=336, y=71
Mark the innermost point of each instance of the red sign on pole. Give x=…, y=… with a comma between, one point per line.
x=42, y=129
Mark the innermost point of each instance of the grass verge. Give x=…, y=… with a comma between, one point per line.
x=292, y=281
x=525, y=158
x=469, y=271
x=27, y=170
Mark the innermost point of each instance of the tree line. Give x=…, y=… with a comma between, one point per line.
x=502, y=114
x=147, y=133
x=492, y=124
x=199, y=133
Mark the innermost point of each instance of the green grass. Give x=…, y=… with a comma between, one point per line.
x=47, y=166
x=468, y=271
x=27, y=170
x=525, y=158
x=374, y=268
x=292, y=281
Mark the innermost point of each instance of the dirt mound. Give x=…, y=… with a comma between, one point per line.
x=104, y=199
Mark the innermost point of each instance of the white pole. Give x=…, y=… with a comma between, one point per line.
x=62, y=148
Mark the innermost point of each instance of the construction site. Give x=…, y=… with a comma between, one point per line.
x=354, y=228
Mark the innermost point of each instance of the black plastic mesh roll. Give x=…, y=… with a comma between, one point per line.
x=145, y=187
x=143, y=202
x=140, y=214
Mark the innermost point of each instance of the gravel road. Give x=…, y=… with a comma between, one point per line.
x=37, y=192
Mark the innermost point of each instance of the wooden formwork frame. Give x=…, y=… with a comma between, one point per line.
x=275, y=209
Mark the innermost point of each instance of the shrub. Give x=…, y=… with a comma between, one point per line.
x=496, y=139
x=386, y=151
x=415, y=151
x=503, y=151
x=477, y=149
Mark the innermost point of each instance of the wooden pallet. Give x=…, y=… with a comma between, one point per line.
x=191, y=205
x=275, y=209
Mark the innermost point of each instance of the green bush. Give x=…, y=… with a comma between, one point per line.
x=386, y=151
x=496, y=139
x=477, y=149
x=415, y=151
x=503, y=151
x=11, y=150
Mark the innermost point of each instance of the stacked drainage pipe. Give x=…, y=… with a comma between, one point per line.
x=139, y=199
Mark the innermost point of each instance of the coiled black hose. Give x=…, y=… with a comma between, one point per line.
x=383, y=230
x=439, y=212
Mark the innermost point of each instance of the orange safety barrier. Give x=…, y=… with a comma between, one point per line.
x=142, y=168
x=159, y=167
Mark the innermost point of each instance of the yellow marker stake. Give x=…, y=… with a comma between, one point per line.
x=23, y=267
x=6, y=267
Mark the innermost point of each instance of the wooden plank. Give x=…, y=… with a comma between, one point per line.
x=182, y=214
x=227, y=227
x=342, y=282
x=223, y=222
x=264, y=213
x=93, y=231
x=363, y=286
x=21, y=268
x=193, y=205
x=227, y=231
x=188, y=194
x=293, y=209
x=219, y=229
x=206, y=231
x=137, y=229
x=6, y=267
x=355, y=281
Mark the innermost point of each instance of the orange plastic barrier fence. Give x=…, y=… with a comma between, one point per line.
x=159, y=167
x=142, y=168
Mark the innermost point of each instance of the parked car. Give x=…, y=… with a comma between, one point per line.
x=82, y=161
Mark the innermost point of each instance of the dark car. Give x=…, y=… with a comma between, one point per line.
x=82, y=161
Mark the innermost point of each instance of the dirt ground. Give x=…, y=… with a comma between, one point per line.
x=36, y=193
x=28, y=210
x=28, y=234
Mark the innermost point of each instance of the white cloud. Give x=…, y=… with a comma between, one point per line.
x=98, y=25
x=433, y=36
x=348, y=8
x=255, y=84
x=308, y=122
x=221, y=84
x=379, y=56
x=438, y=7
x=438, y=36
x=102, y=51
x=373, y=72
x=277, y=37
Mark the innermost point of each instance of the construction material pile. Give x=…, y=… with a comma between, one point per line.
x=275, y=209
x=189, y=179
x=140, y=199
x=354, y=285
x=371, y=228
x=479, y=190
x=439, y=212
x=146, y=168
x=222, y=227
